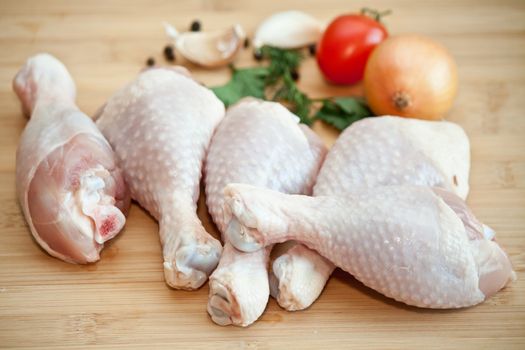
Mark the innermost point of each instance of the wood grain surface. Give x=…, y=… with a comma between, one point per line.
x=122, y=301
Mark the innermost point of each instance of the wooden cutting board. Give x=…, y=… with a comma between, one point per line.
x=122, y=301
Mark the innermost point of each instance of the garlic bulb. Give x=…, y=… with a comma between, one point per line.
x=288, y=30
x=208, y=49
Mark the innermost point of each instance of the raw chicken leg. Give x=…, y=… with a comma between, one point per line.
x=258, y=143
x=72, y=194
x=160, y=126
x=371, y=153
x=417, y=245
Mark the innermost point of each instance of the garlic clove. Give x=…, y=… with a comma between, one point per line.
x=208, y=49
x=288, y=30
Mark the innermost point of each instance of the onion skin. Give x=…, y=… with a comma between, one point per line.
x=410, y=76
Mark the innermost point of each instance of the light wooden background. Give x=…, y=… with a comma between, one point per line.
x=122, y=301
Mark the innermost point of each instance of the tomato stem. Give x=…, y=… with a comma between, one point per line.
x=375, y=14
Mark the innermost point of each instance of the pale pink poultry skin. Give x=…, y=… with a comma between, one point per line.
x=370, y=153
x=160, y=126
x=258, y=143
x=417, y=245
x=71, y=192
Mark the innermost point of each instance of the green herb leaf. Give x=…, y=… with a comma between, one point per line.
x=354, y=105
x=343, y=111
x=244, y=82
x=281, y=61
x=297, y=101
x=276, y=79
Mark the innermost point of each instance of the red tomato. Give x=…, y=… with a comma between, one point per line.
x=345, y=46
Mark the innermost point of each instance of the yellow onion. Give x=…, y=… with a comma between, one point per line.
x=410, y=76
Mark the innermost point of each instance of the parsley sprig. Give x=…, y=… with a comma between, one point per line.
x=275, y=82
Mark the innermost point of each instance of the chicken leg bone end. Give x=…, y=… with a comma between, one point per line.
x=243, y=237
x=241, y=230
x=298, y=277
x=43, y=77
x=192, y=264
x=222, y=305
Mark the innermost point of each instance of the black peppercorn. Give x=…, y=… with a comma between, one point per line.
x=150, y=62
x=246, y=43
x=312, y=49
x=257, y=55
x=195, y=26
x=295, y=75
x=169, y=53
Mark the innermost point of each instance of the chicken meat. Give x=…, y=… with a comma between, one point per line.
x=371, y=153
x=258, y=143
x=160, y=126
x=418, y=245
x=72, y=194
